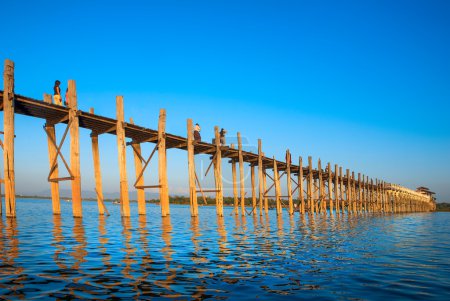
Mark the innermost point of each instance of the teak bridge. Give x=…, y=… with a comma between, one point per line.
x=317, y=190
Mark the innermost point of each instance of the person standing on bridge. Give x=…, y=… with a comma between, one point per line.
x=222, y=136
x=57, y=93
x=197, y=137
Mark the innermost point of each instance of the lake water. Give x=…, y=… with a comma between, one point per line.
x=368, y=257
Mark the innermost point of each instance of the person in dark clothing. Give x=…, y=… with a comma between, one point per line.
x=197, y=137
x=57, y=93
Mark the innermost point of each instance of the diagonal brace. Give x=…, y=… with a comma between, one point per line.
x=58, y=152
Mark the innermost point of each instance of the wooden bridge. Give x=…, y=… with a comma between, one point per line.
x=308, y=189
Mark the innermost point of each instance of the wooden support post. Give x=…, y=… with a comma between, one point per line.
x=260, y=177
x=289, y=187
x=363, y=194
x=348, y=194
x=121, y=147
x=252, y=170
x=218, y=173
x=336, y=188
x=300, y=186
x=52, y=153
x=162, y=164
x=321, y=197
x=277, y=187
x=353, y=190
x=8, y=145
x=74, y=150
x=234, y=178
x=341, y=189
x=241, y=174
x=372, y=201
x=310, y=191
x=140, y=191
x=191, y=169
x=266, y=198
x=377, y=196
x=97, y=170
x=330, y=188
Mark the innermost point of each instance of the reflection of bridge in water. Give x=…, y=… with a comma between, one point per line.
x=308, y=189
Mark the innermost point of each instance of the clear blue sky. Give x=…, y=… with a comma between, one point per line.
x=364, y=84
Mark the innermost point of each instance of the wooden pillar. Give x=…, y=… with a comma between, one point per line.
x=191, y=169
x=74, y=150
x=348, y=191
x=260, y=177
x=341, y=189
x=266, y=198
x=310, y=186
x=353, y=190
x=140, y=192
x=300, y=186
x=121, y=147
x=330, y=188
x=8, y=145
x=54, y=186
x=289, y=187
x=234, y=177
x=363, y=194
x=241, y=174
x=372, y=197
x=162, y=164
x=218, y=173
x=277, y=187
x=321, y=197
x=336, y=187
x=97, y=170
x=252, y=170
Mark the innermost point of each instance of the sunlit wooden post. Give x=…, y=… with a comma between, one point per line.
x=191, y=169
x=289, y=187
x=260, y=177
x=330, y=188
x=266, y=198
x=234, y=178
x=52, y=153
x=8, y=145
x=74, y=150
x=300, y=185
x=121, y=147
x=341, y=190
x=162, y=164
x=140, y=192
x=277, y=187
x=336, y=188
x=252, y=170
x=218, y=173
x=310, y=186
x=348, y=191
x=353, y=190
x=97, y=170
x=321, y=198
x=241, y=173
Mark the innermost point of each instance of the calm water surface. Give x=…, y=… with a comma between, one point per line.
x=369, y=257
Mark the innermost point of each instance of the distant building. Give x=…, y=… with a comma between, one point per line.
x=426, y=191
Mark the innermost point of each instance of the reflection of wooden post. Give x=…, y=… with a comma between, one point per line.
x=54, y=186
x=252, y=170
x=74, y=150
x=97, y=170
x=162, y=164
x=241, y=174
x=289, y=188
x=330, y=188
x=260, y=177
x=310, y=186
x=234, y=178
x=300, y=185
x=121, y=146
x=138, y=170
x=8, y=145
x=277, y=187
x=191, y=169
x=218, y=174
